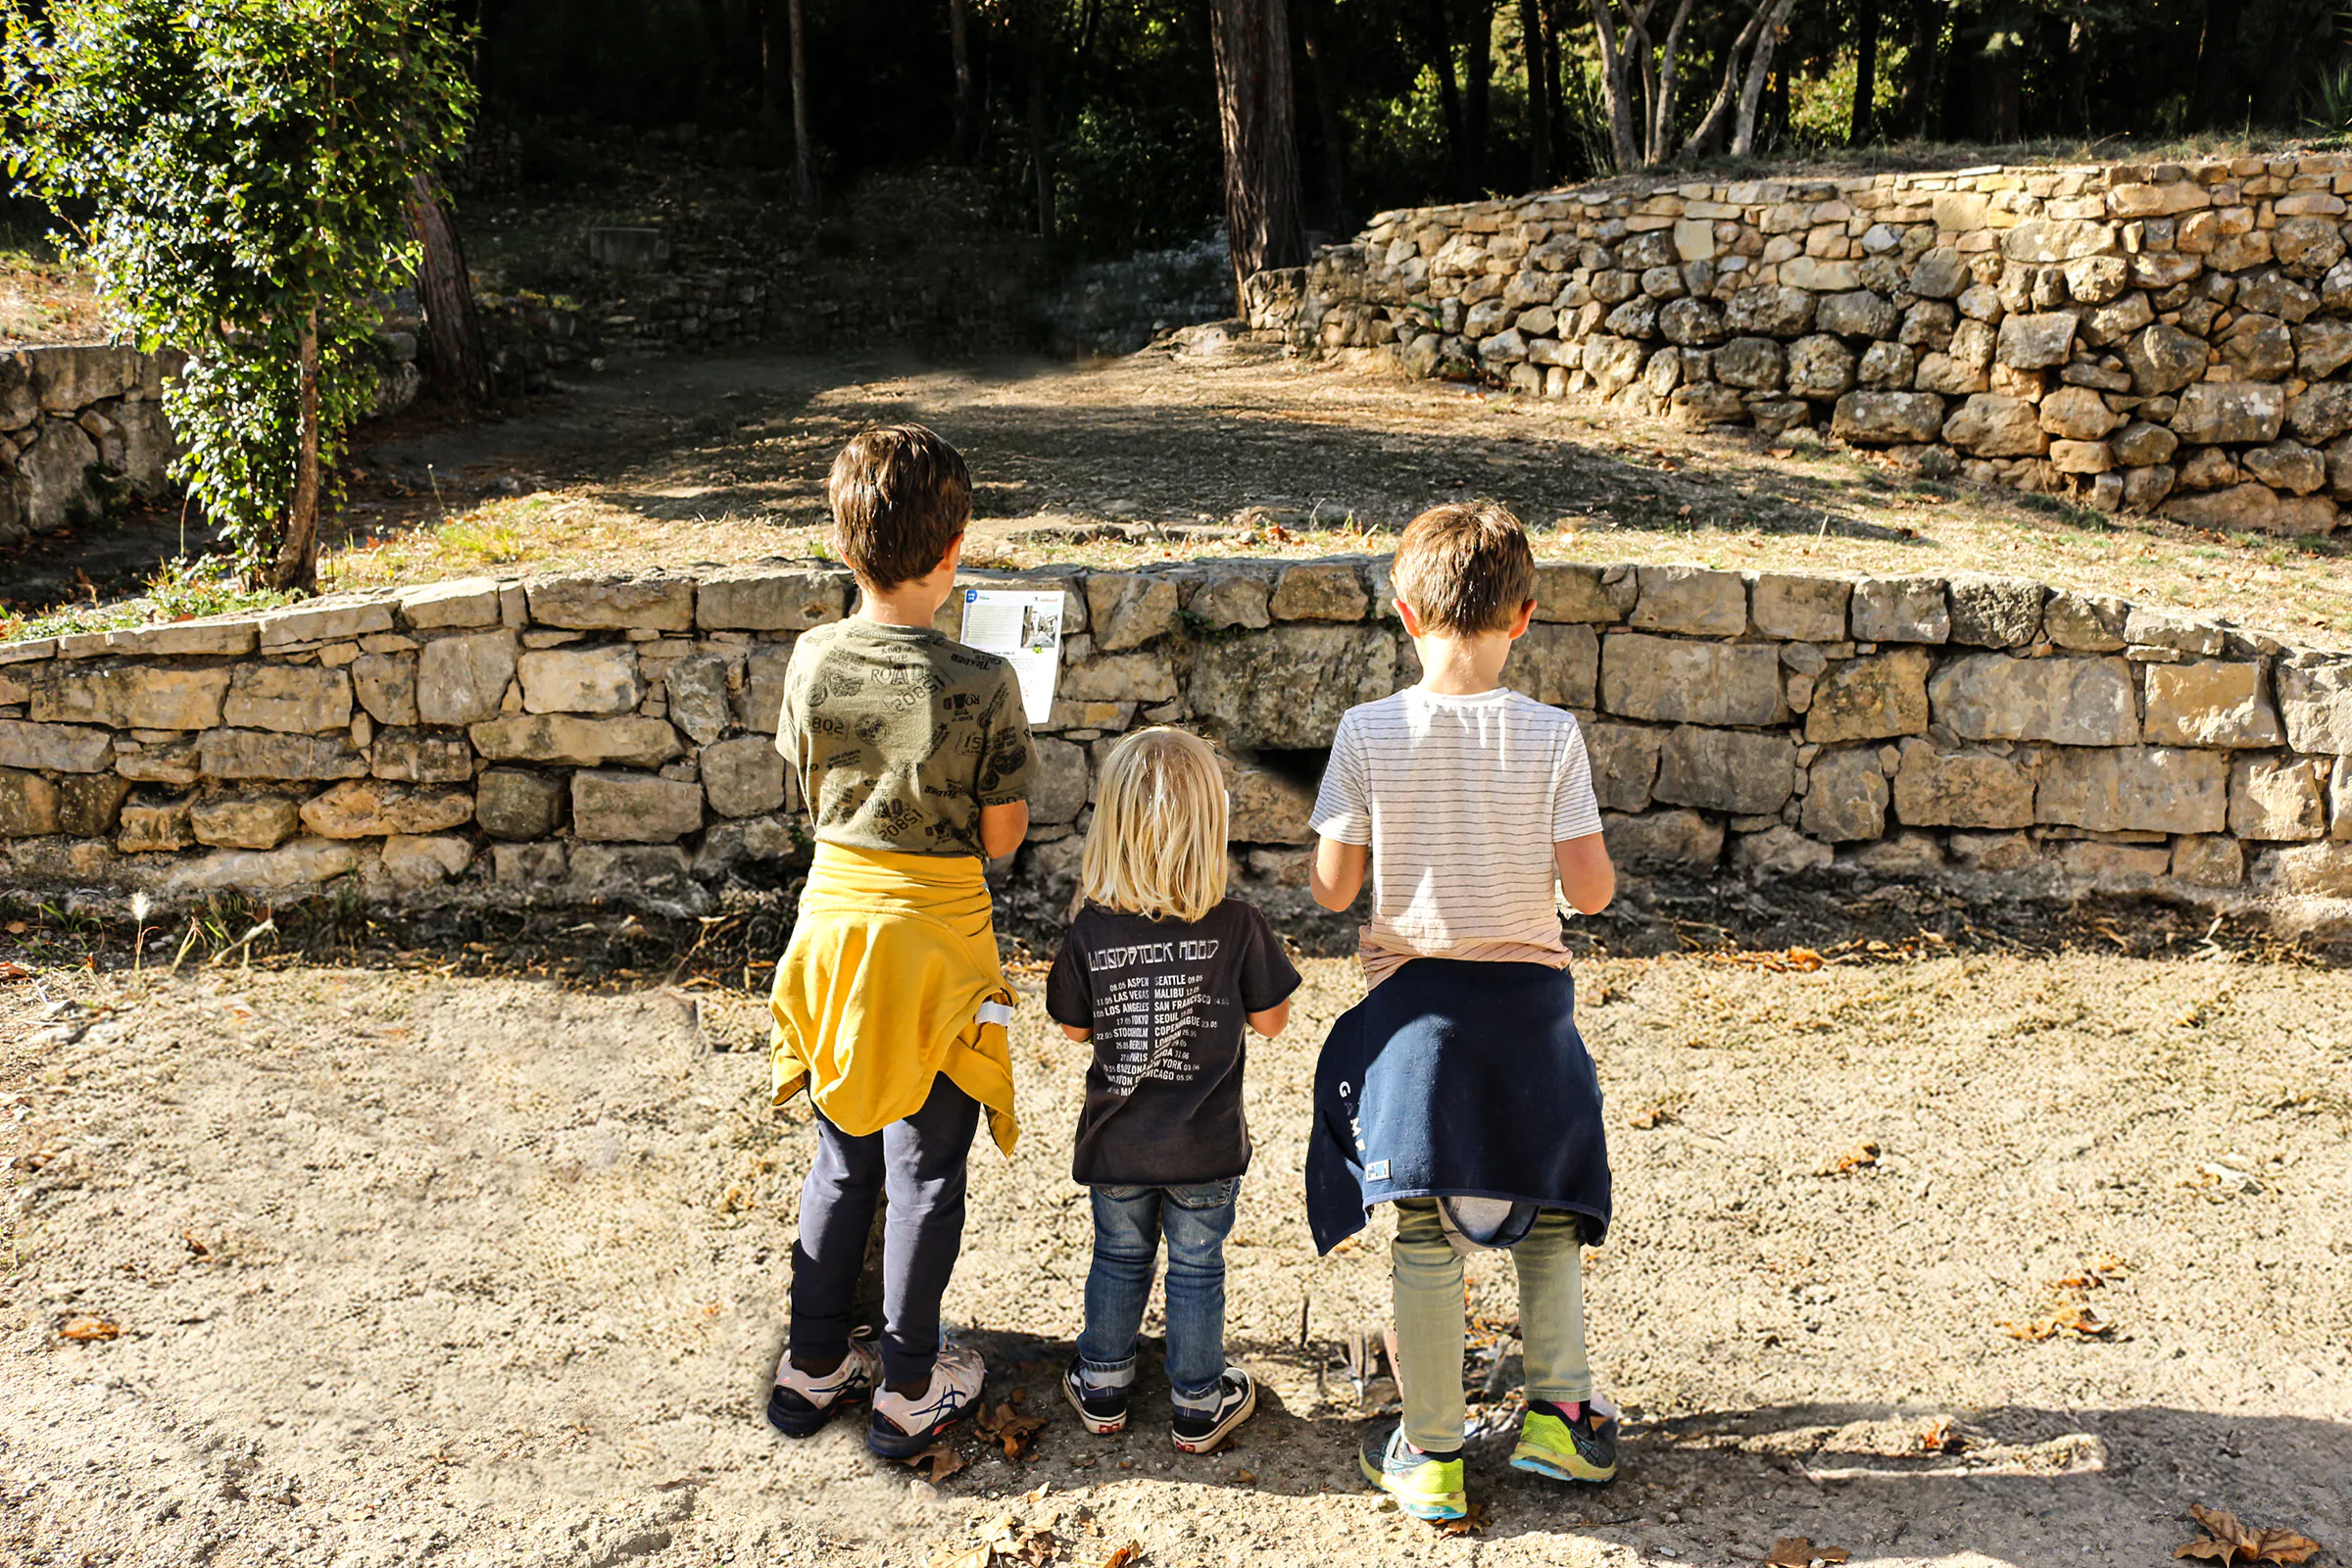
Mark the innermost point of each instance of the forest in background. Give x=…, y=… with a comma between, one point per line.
x=1095, y=123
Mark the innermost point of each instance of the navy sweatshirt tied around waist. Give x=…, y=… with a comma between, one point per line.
x=1457, y=1079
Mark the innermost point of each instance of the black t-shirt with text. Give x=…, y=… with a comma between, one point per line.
x=1167, y=1002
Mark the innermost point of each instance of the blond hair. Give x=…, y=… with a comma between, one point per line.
x=1158, y=842
x=1465, y=567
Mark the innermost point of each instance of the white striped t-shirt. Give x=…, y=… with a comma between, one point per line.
x=1461, y=800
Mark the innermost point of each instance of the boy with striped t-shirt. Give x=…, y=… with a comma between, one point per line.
x=1470, y=803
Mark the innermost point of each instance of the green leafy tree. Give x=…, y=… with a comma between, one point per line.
x=234, y=171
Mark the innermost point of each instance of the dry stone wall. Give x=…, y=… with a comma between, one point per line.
x=80, y=425
x=582, y=738
x=2162, y=337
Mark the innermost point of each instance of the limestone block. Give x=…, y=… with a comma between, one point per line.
x=2111, y=323
x=1128, y=609
x=1752, y=364
x=2257, y=348
x=54, y=477
x=2145, y=488
x=2055, y=239
x=462, y=680
x=696, y=689
x=1059, y=794
x=1887, y=366
x=87, y=803
x=1994, y=852
x=423, y=861
x=1692, y=600
x=180, y=639
x=2321, y=348
x=1858, y=313
x=385, y=685
x=1901, y=610
x=128, y=696
x=245, y=821
x=297, y=699
x=1939, y=787
x=2083, y=457
x=1691, y=323
x=1795, y=608
x=1319, y=591
x=1623, y=759
x=531, y=866
x=1286, y=688
x=1726, y=769
x=2315, y=699
x=1996, y=612
x=1820, y=276
x=2096, y=279
x=1779, y=851
x=1939, y=274
x=2229, y=410
x=2209, y=860
x=2143, y=445
x=335, y=618
x=1846, y=796
x=609, y=807
x=303, y=863
x=1231, y=598
x=450, y=606
x=579, y=680
x=1864, y=699
x=2078, y=414
x=2320, y=413
x=263, y=753
x=2288, y=465
x=516, y=805
x=759, y=706
x=632, y=740
x=360, y=809
x=1820, y=367
x=2340, y=799
x=1769, y=311
x=1669, y=682
x=1559, y=664
x=2278, y=797
x=2036, y=341
x=1268, y=807
x=652, y=603
x=71, y=377
x=2073, y=702
x=2321, y=870
x=1144, y=677
x=1880, y=418
x=2150, y=789
x=1995, y=425
x=2111, y=861
x=2210, y=703
x=2163, y=358
x=420, y=756
x=155, y=827
x=1662, y=841
x=28, y=805
x=770, y=599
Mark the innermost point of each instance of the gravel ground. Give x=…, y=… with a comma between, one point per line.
x=405, y=1268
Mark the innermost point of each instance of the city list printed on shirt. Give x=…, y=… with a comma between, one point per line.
x=1151, y=1003
x=1024, y=627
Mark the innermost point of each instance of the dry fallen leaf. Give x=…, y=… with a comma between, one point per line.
x=2228, y=1541
x=1941, y=1436
x=1125, y=1555
x=14, y=972
x=17, y=928
x=937, y=1462
x=1472, y=1523
x=196, y=1248
x=1007, y=1427
x=1797, y=1552
x=1862, y=1154
x=970, y=1558
x=88, y=1330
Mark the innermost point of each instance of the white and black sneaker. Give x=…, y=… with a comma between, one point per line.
x=1102, y=1409
x=1199, y=1431
x=800, y=1404
x=904, y=1427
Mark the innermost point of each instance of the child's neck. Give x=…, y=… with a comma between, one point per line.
x=914, y=601
x=1462, y=667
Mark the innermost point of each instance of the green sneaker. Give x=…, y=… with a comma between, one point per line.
x=1552, y=1445
x=1427, y=1486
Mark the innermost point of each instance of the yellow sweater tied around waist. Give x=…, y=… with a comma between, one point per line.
x=891, y=978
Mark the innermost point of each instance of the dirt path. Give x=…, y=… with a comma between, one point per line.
x=411, y=1270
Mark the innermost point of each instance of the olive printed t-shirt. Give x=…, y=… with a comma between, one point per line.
x=1167, y=1002
x=900, y=735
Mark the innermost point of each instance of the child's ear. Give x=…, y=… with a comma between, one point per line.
x=1412, y=622
x=1527, y=614
x=953, y=556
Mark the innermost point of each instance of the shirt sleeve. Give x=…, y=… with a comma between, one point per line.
x=1344, y=802
x=792, y=728
x=1007, y=759
x=1575, y=814
x=1267, y=975
x=1068, y=998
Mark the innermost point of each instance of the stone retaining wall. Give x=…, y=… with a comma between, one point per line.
x=2162, y=337
x=573, y=738
x=80, y=425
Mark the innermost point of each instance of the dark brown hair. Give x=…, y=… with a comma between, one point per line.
x=1465, y=567
x=900, y=496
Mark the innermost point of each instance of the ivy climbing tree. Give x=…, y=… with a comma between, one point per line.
x=235, y=172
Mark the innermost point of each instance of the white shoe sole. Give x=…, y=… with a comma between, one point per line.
x=1223, y=1428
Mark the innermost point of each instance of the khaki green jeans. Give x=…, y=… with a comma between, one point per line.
x=1427, y=1274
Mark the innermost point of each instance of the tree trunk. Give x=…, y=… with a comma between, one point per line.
x=1041, y=160
x=1449, y=94
x=803, y=151
x=1333, y=129
x=297, y=565
x=1666, y=88
x=453, y=330
x=1866, y=73
x=1547, y=11
x=1264, y=225
x=1616, y=85
x=1538, y=94
x=1478, y=68
x=1734, y=107
x=2216, y=99
x=1759, y=68
x=959, y=46
x=1918, y=112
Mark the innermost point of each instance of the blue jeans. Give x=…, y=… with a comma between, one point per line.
x=1128, y=1224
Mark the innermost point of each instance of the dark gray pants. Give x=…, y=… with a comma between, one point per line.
x=919, y=1162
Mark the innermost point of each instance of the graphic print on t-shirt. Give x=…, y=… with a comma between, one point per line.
x=1153, y=1005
